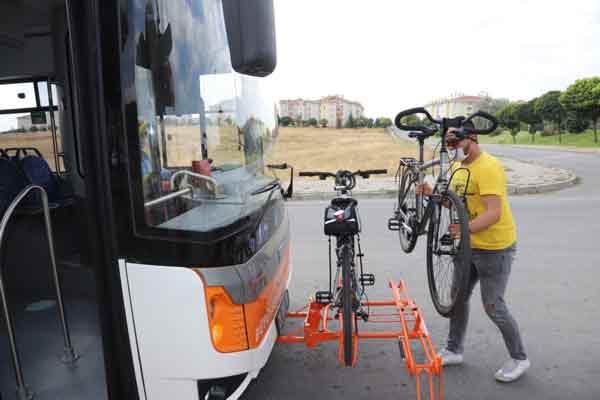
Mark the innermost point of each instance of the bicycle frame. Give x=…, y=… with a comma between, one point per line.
x=442, y=182
x=344, y=240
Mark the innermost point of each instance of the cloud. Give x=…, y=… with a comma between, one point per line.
x=391, y=54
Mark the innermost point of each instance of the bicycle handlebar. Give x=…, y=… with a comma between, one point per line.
x=456, y=122
x=365, y=174
x=372, y=172
x=413, y=111
x=278, y=166
x=319, y=174
x=486, y=116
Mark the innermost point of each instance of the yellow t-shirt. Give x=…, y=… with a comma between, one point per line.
x=487, y=178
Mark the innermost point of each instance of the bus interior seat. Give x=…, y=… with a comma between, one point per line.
x=36, y=171
x=12, y=181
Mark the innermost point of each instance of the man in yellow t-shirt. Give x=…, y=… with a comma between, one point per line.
x=493, y=241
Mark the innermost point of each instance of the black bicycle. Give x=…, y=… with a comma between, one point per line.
x=342, y=221
x=448, y=253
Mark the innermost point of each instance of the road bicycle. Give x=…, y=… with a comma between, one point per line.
x=342, y=221
x=448, y=254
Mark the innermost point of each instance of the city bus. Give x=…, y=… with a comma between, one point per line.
x=142, y=128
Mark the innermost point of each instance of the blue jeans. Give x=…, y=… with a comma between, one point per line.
x=492, y=269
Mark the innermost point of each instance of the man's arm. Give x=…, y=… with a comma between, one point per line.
x=491, y=215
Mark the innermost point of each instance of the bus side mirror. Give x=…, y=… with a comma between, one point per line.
x=250, y=28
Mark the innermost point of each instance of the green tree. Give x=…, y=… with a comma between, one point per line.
x=383, y=122
x=492, y=105
x=285, y=121
x=583, y=97
x=412, y=120
x=313, y=122
x=349, y=122
x=549, y=108
x=323, y=122
x=508, y=118
x=526, y=113
x=370, y=123
x=575, y=123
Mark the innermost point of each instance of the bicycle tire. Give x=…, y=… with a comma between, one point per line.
x=460, y=254
x=408, y=241
x=347, y=302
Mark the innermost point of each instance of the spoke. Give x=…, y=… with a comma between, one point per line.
x=445, y=271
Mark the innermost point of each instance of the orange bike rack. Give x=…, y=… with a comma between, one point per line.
x=411, y=328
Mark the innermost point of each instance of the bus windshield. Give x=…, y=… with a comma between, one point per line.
x=202, y=129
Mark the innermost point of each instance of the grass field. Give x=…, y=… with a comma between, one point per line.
x=40, y=140
x=323, y=149
x=305, y=148
x=585, y=139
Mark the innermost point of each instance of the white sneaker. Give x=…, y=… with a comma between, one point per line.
x=450, y=358
x=512, y=370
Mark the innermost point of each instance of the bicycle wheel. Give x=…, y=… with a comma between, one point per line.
x=347, y=302
x=407, y=203
x=448, y=259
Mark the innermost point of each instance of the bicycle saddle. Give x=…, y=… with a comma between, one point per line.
x=419, y=135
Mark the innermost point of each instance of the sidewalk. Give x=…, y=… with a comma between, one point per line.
x=572, y=149
x=522, y=178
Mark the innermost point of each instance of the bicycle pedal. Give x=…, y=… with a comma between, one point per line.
x=367, y=279
x=402, y=353
x=324, y=297
x=394, y=224
x=360, y=255
x=362, y=315
x=447, y=240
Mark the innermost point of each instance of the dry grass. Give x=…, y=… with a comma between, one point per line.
x=323, y=149
x=40, y=140
x=183, y=145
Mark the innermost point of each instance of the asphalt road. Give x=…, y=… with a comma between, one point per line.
x=554, y=294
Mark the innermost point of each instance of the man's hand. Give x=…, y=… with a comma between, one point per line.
x=454, y=230
x=424, y=189
x=451, y=139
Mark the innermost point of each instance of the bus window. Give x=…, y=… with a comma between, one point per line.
x=26, y=120
x=17, y=96
x=194, y=113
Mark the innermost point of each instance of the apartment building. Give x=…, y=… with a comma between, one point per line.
x=454, y=106
x=335, y=109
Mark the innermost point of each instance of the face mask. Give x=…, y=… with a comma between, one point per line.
x=460, y=154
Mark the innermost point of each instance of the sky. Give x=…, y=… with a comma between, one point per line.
x=391, y=54
x=395, y=54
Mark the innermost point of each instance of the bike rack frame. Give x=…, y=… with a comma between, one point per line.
x=69, y=355
x=409, y=328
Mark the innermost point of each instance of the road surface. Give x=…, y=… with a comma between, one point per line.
x=554, y=294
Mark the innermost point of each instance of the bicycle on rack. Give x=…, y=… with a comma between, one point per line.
x=443, y=214
x=342, y=221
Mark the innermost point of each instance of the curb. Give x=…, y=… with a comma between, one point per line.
x=513, y=190
x=572, y=180
x=551, y=147
x=380, y=194
x=543, y=188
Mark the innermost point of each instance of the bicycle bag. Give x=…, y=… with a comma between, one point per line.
x=341, y=218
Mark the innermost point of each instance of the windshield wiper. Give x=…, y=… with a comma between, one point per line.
x=274, y=184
